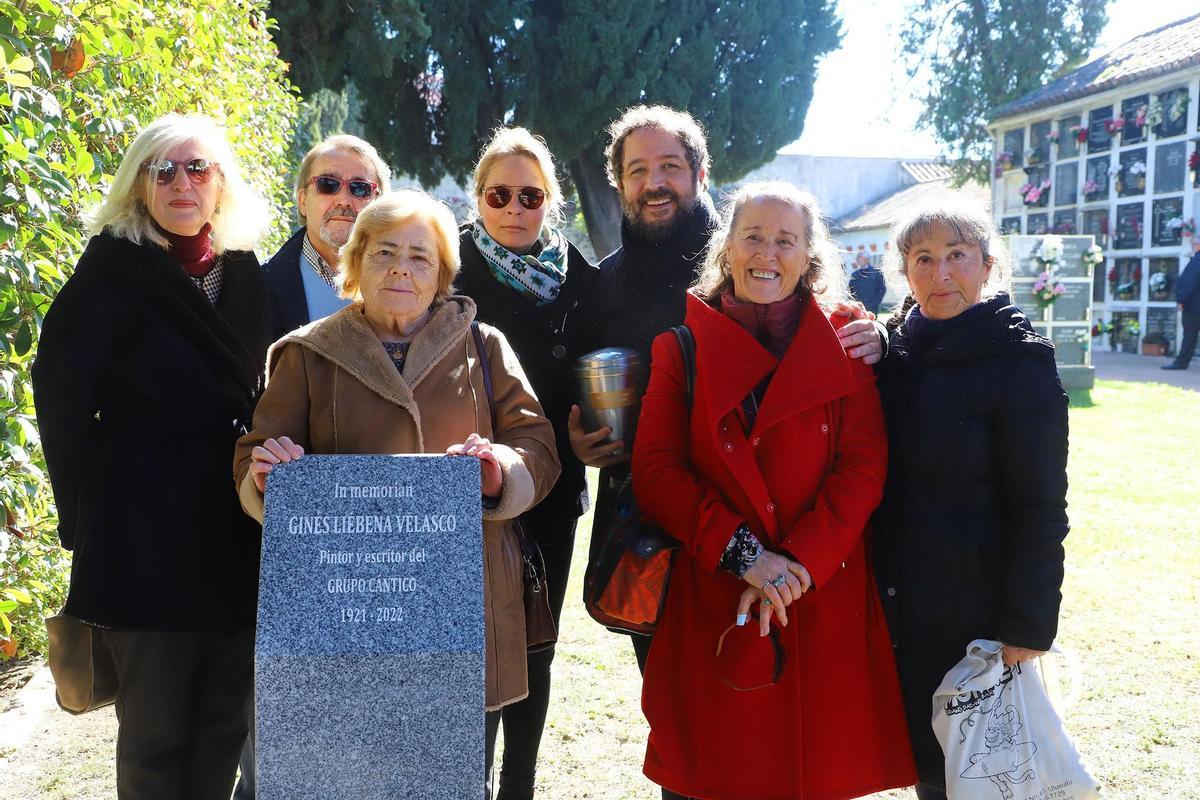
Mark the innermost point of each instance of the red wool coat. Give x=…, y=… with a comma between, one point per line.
x=806, y=480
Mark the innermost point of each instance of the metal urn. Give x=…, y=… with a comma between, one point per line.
x=611, y=384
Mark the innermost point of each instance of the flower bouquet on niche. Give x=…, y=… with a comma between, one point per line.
x=1093, y=257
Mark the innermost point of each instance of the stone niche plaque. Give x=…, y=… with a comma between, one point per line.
x=1129, y=227
x=369, y=663
x=1166, y=216
x=1071, y=344
x=1074, y=304
x=1170, y=167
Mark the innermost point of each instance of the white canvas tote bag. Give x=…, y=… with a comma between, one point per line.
x=1002, y=738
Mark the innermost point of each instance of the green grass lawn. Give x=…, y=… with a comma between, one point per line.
x=1129, y=613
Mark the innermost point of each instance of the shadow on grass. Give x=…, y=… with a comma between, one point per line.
x=1080, y=398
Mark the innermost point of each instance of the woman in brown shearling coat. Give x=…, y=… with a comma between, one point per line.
x=398, y=372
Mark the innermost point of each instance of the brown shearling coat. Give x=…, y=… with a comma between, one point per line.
x=333, y=389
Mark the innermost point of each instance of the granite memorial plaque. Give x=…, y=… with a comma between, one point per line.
x=1099, y=283
x=1125, y=323
x=1021, y=250
x=1095, y=224
x=1039, y=143
x=1064, y=222
x=1098, y=139
x=1128, y=234
x=1131, y=175
x=1164, y=272
x=1071, y=264
x=1068, y=143
x=1014, y=144
x=1166, y=222
x=1074, y=304
x=1174, y=112
x=1131, y=108
x=1095, y=179
x=1126, y=279
x=1170, y=167
x=1071, y=344
x=1027, y=301
x=1066, y=184
x=1010, y=226
x=369, y=663
x=1160, y=322
x=1038, y=224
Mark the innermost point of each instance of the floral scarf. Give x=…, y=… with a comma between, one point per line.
x=538, y=276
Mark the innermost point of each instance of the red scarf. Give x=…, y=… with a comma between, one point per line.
x=773, y=325
x=193, y=253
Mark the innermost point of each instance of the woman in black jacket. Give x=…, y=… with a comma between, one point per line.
x=150, y=362
x=528, y=280
x=968, y=541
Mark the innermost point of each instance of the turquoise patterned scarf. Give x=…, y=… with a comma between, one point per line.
x=539, y=277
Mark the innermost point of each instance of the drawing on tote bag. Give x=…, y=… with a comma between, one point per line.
x=1005, y=757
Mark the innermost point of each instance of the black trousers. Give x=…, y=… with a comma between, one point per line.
x=524, y=721
x=1187, y=346
x=181, y=700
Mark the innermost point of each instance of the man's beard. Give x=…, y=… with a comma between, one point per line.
x=337, y=237
x=662, y=230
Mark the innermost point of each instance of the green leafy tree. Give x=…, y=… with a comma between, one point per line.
x=566, y=68
x=976, y=55
x=80, y=79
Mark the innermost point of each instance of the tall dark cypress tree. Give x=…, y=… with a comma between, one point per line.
x=448, y=71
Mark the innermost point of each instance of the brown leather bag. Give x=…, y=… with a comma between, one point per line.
x=540, y=631
x=625, y=587
x=85, y=677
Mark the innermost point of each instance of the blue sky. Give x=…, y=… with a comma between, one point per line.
x=863, y=103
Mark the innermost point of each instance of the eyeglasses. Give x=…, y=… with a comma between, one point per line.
x=529, y=196
x=198, y=170
x=327, y=184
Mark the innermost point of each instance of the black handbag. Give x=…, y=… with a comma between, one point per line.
x=85, y=677
x=625, y=587
x=540, y=631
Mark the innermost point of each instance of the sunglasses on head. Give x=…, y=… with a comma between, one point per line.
x=327, y=184
x=164, y=170
x=529, y=196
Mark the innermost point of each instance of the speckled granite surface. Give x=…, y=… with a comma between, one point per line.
x=369, y=661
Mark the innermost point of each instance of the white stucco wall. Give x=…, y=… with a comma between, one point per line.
x=843, y=184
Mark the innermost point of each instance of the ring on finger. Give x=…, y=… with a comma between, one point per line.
x=780, y=581
x=766, y=601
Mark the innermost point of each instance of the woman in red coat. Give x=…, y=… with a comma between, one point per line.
x=768, y=480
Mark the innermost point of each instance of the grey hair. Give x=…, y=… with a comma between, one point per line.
x=825, y=279
x=971, y=224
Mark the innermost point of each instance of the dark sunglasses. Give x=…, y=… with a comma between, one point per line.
x=529, y=196
x=327, y=184
x=198, y=170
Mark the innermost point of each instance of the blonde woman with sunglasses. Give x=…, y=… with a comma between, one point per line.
x=150, y=362
x=528, y=281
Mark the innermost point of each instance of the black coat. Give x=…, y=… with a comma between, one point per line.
x=1187, y=290
x=547, y=341
x=289, y=306
x=142, y=387
x=968, y=540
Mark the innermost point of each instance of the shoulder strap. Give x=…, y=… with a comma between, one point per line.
x=687, y=348
x=487, y=371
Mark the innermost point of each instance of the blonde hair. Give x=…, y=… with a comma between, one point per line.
x=241, y=214
x=346, y=143
x=970, y=223
x=825, y=279
x=520, y=142
x=680, y=124
x=387, y=212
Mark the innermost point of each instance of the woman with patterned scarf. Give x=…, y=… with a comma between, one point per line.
x=528, y=280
